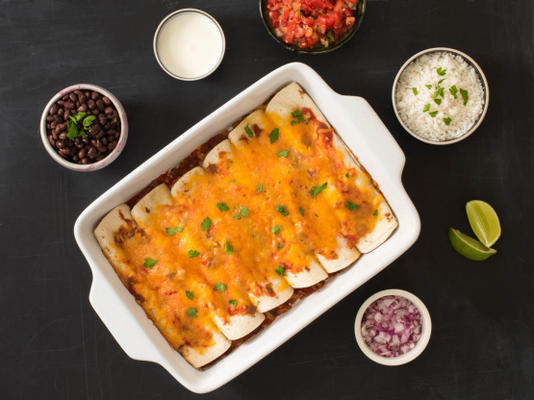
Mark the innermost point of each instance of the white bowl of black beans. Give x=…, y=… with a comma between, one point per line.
x=84, y=127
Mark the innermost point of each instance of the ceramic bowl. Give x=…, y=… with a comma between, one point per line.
x=98, y=164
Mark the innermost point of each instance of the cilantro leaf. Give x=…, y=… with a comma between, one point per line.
x=441, y=71
x=352, y=206
x=279, y=246
x=429, y=86
x=228, y=247
x=282, y=210
x=447, y=121
x=273, y=136
x=232, y=302
x=172, y=231
x=426, y=108
x=222, y=206
x=415, y=92
x=454, y=90
x=219, y=287
x=193, y=253
x=437, y=101
x=244, y=211
x=283, y=153
x=301, y=211
x=276, y=229
x=249, y=132
x=189, y=295
x=206, y=224
x=433, y=113
x=375, y=213
x=149, y=263
x=465, y=96
x=280, y=270
x=192, y=312
x=314, y=191
x=259, y=188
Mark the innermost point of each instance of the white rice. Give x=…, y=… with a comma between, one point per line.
x=423, y=71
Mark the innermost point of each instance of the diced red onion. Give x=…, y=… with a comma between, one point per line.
x=391, y=326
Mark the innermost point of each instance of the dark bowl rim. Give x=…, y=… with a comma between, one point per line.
x=325, y=50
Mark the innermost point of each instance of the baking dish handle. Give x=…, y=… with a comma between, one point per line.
x=390, y=152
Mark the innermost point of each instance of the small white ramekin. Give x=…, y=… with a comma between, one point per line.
x=420, y=345
x=98, y=164
x=192, y=10
x=481, y=76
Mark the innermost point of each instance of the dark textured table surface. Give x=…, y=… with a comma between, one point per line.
x=53, y=345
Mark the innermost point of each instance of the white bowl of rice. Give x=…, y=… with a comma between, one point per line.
x=440, y=95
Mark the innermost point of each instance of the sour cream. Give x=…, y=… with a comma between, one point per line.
x=189, y=44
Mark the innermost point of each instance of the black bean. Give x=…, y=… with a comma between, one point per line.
x=63, y=136
x=104, y=141
x=72, y=97
x=111, y=146
x=99, y=134
x=92, y=152
x=100, y=105
x=68, y=105
x=102, y=119
x=64, y=151
x=100, y=157
x=101, y=149
x=81, y=153
x=84, y=160
x=49, y=118
x=65, y=97
x=91, y=103
x=75, y=158
x=95, y=95
x=59, y=111
x=53, y=109
x=77, y=103
x=108, y=110
x=106, y=100
x=85, y=140
x=82, y=108
x=107, y=125
x=55, y=135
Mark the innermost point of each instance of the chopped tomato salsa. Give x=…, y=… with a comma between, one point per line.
x=311, y=23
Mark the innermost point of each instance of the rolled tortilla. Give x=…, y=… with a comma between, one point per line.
x=160, y=195
x=294, y=97
x=282, y=292
x=232, y=326
x=314, y=273
x=119, y=222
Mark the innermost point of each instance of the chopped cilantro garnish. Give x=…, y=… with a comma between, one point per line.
x=244, y=211
x=347, y=175
x=441, y=71
x=232, y=302
x=429, y=86
x=259, y=188
x=415, y=92
x=283, y=153
x=465, y=96
x=447, y=121
x=206, y=224
x=193, y=253
x=219, y=287
x=192, y=312
x=189, y=295
x=223, y=206
x=280, y=270
x=375, y=213
x=237, y=216
x=276, y=229
x=299, y=118
x=437, y=101
x=249, y=132
x=330, y=36
x=228, y=247
x=314, y=191
x=301, y=211
x=426, y=108
x=440, y=81
x=172, y=231
x=438, y=92
x=454, y=90
x=282, y=210
x=433, y=113
x=149, y=263
x=352, y=206
x=279, y=246
x=273, y=136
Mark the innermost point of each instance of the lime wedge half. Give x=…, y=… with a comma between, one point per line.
x=469, y=247
x=484, y=221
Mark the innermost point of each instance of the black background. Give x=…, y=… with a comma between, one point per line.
x=52, y=344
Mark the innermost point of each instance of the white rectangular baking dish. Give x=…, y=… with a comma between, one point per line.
x=363, y=132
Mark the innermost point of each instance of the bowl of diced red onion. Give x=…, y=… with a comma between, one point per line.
x=392, y=327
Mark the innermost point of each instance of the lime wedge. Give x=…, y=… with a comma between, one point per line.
x=484, y=221
x=469, y=247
